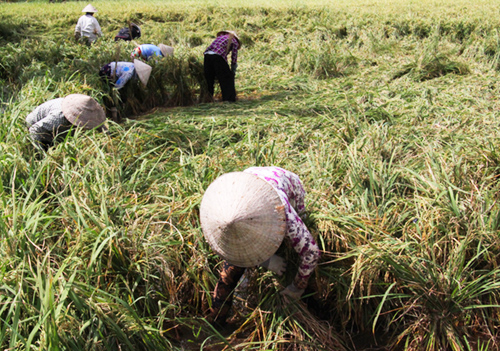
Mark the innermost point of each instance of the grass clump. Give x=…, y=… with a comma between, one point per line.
x=323, y=64
x=433, y=66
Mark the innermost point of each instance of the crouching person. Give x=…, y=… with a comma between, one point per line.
x=57, y=117
x=244, y=217
x=128, y=33
x=119, y=73
x=148, y=51
x=116, y=75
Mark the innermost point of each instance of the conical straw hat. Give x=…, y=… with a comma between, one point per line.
x=89, y=8
x=143, y=71
x=222, y=32
x=242, y=218
x=166, y=50
x=83, y=111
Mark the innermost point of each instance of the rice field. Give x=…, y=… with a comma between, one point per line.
x=387, y=110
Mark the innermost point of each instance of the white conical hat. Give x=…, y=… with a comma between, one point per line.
x=83, y=111
x=166, y=50
x=89, y=8
x=242, y=218
x=143, y=71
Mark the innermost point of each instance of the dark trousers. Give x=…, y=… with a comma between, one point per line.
x=216, y=67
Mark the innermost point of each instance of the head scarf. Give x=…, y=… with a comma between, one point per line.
x=136, y=53
x=105, y=70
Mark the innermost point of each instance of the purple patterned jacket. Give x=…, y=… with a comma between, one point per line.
x=292, y=194
x=219, y=46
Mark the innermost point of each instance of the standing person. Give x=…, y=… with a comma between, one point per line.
x=87, y=28
x=244, y=217
x=58, y=116
x=216, y=65
x=147, y=51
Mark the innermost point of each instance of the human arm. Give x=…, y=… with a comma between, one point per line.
x=292, y=291
x=308, y=250
x=97, y=28
x=276, y=264
x=223, y=293
x=78, y=27
x=31, y=119
x=234, y=54
x=78, y=30
x=42, y=132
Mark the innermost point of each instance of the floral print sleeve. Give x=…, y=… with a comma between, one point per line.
x=292, y=194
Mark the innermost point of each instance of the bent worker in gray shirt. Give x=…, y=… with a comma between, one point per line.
x=58, y=116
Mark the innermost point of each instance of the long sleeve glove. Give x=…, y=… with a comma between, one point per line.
x=276, y=264
x=292, y=291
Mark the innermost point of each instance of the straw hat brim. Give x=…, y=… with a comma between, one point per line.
x=89, y=8
x=143, y=70
x=242, y=218
x=166, y=50
x=222, y=32
x=83, y=111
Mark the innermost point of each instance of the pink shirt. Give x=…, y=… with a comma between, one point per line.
x=289, y=188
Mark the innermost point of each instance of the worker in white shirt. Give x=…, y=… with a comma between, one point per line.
x=87, y=27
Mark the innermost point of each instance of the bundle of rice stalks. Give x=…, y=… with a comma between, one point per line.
x=197, y=72
x=174, y=81
x=182, y=85
x=267, y=320
x=306, y=323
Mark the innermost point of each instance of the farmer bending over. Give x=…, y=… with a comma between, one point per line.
x=244, y=217
x=87, y=29
x=119, y=73
x=57, y=117
x=147, y=51
x=216, y=66
x=128, y=33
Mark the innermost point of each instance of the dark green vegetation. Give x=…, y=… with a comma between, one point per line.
x=389, y=113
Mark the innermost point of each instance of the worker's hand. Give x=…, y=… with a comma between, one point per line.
x=292, y=291
x=217, y=317
x=233, y=68
x=77, y=36
x=276, y=264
